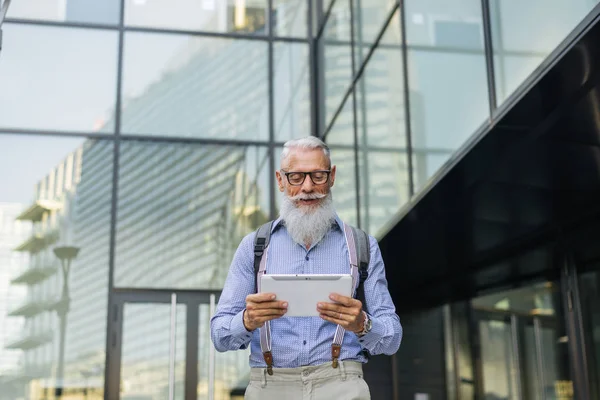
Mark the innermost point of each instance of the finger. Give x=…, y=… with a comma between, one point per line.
x=260, y=297
x=340, y=316
x=266, y=305
x=266, y=318
x=352, y=311
x=263, y=313
x=345, y=300
x=334, y=320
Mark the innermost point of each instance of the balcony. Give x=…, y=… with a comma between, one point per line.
x=33, y=275
x=29, y=341
x=36, y=211
x=28, y=373
x=30, y=308
x=38, y=241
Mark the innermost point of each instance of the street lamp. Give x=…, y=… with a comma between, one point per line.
x=66, y=255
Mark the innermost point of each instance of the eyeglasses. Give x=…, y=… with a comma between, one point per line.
x=297, y=178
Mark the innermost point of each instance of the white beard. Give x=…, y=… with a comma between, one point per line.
x=307, y=225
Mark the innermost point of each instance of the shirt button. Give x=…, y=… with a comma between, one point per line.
x=304, y=342
x=306, y=258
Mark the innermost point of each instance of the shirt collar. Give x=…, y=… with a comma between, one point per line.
x=279, y=221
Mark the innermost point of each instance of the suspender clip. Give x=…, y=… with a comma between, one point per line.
x=335, y=354
x=269, y=360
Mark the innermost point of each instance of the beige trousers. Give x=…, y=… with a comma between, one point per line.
x=320, y=382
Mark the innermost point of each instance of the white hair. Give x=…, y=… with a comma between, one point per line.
x=309, y=143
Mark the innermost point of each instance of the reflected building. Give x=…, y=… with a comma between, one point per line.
x=12, y=294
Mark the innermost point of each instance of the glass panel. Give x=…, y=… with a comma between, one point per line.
x=206, y=15
x=53, y=334
x=291, y=90
x=497, y=359
x=58, y=78
x=232, y=371
x=369, y=20
x=383, y=160
x=444, y=85
x=527, y=32
x=511, y=71
x=340, y=140
x=145, y=351
x=531, y=385
x=177, y=85
x=337, y=57
x=289, y=18
x=589, y=288
x=452, y=24
x=78, y=11
x=426, y=162
x=183, y=210
x=384, y=188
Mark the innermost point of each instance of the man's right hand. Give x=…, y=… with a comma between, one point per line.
x=261, y=307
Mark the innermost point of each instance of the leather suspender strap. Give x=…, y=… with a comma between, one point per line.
x=265, y=331
x=338, y=338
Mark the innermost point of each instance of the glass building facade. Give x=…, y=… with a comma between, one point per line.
x=138, y=143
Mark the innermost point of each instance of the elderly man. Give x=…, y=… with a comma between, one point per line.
x=307, y=238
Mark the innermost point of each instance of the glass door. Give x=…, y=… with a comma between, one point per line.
x=160, y=346
x=522, y=345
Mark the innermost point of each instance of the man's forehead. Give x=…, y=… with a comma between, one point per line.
x=305, y=157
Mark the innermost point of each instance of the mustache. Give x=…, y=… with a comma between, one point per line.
x=308, y=196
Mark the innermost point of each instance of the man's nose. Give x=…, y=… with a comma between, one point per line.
x=307, y=185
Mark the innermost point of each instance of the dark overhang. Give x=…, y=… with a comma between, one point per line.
x=525, y=188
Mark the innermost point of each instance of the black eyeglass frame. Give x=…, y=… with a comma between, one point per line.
x=325, y=171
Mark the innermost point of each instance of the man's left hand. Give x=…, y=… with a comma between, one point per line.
x=346, y=312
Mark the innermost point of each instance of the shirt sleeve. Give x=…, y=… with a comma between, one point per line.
x=227, y=328
x=386, y=331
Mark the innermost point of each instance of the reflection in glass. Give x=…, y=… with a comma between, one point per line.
x=183, y=210
x=524, y=33
x=58, y=78
x=176, y=85
x=340, y=140
x=337, y=57
x=384, y=184
x=454, y=24
x=426, y=162
x=369, y=18
x=449, y=100
x=78, y=11
x=207, y=15
x=289, y=18
x=232, y=371
x=145, y=351
x=291, y=91
x=511, y=71
x=58, y=196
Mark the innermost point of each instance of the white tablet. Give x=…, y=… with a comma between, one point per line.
x=303, y=292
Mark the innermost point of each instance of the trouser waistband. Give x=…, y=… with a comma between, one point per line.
x=309, y=372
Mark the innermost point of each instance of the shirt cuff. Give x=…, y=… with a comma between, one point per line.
x=239, y=332
x=377, y=332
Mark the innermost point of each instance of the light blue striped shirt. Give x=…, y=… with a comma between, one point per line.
x=301, y=341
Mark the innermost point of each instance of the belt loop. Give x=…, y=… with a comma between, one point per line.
x=264, y=379
x=343, y=370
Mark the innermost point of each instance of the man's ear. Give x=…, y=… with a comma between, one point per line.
x=332, y=176
x=279, y=180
